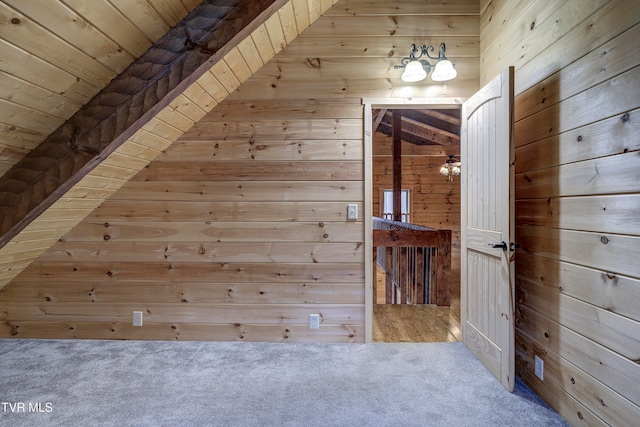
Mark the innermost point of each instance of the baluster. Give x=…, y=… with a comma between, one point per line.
x=419, y=267
x=389, y=275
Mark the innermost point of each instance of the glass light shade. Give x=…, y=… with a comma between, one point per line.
x=413, y=72
x=444, y=71
x=450, y=169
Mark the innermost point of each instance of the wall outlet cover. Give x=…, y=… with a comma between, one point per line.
x=137, y=318
x=314, y=321
x=539, y=368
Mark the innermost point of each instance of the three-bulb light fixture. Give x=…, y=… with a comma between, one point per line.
x=416, y=68
x=451, y=168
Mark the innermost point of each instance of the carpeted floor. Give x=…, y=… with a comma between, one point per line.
x=148, y=383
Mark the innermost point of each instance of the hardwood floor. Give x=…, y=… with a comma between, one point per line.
x=415, y=323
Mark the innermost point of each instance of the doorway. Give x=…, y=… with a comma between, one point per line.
x=430, y=135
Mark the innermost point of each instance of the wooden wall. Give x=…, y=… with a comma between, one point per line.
x=577, y=198
x=350, y=51
x=238, y=231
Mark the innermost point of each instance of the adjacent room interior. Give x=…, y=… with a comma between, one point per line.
x=427, y=177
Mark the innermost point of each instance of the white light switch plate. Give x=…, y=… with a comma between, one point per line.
x=352, y=211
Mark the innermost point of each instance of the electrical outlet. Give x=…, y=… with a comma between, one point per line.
x=137, y=318
x=352, y=211
x=539, y=368
x=314, y=321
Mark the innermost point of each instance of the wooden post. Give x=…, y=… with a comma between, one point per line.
x=443, y=268
x=433, y=272
x=397, y=165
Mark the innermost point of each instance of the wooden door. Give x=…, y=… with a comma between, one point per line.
x=487, y=273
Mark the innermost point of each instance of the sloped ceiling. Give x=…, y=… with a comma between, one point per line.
x=56, y=56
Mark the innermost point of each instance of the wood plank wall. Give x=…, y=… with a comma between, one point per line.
x=350, y=52
x=238, y=231
x=577, y=198
x=435, y=201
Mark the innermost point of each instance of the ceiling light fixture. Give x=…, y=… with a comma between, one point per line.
x=451, y=168
x=416, y=69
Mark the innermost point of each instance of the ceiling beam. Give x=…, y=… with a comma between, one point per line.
x=442, y=116
x=435, y=120
x=124, y=106
x=378, y=118
x=425, y=131
x=420, y=133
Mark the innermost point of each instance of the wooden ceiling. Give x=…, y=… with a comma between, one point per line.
x=422, y=127
x=128, y=102
x=56, y=55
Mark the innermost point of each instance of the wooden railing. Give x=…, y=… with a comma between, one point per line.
x=416, y=261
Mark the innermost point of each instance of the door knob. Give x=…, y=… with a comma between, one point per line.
x=502, y=245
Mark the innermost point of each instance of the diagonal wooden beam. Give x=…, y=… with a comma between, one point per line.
x=419, y=133
x=378, y=118
x=124, y=106
x=424, y=131
x=428, y=132
x=441, y=116
x=436, y=119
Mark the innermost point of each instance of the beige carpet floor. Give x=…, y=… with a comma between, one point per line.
x=137, y=383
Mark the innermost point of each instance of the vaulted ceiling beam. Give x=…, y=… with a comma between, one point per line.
x=378, y=118
x=431, y=133
x=435, y=120
x=442, y=116
x=420, y=133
